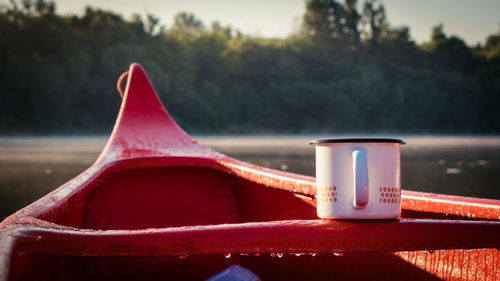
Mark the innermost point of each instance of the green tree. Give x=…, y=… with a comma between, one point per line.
x=492, y=47
x=374, y=21
x=450, y=52
x=187, y=22
x=328, y=23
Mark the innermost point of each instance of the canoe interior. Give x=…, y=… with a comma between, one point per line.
x=172, y=196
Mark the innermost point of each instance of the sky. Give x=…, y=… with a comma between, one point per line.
x=471, y=20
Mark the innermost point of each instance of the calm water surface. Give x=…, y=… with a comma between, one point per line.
x=470, y=166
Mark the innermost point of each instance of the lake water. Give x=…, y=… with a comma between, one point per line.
x=469, y=166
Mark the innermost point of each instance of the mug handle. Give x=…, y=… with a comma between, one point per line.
x=360, y=168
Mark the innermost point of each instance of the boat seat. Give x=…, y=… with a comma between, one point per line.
x=160, y=197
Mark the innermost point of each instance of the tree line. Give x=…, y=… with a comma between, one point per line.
x=346, y=71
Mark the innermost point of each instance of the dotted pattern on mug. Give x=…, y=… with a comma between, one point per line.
x=389, y=195
x=327, y=194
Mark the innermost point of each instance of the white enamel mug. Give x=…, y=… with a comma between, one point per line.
x=358, y=178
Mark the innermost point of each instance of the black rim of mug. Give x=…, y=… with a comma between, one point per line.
x=358, y=140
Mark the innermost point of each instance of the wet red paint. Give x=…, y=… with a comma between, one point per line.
x=155, y=195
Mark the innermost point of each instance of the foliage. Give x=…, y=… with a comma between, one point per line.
x=347, y=71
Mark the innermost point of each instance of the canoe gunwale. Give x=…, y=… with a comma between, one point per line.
x=300, y=236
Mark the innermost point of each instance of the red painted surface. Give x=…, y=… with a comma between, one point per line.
x=158, y=205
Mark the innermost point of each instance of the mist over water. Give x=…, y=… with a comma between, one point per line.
x=30, y=167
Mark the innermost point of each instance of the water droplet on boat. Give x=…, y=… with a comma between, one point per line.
x=405, y=252
x=182, y=257
x=441, y=251
x=256, y=254
x=468, y=250
x=431, y=251
x=298, y=254
x=279, y=255
x=459, y=250
x=423, y=252
x=227, y=256
x=483, y=249
x=338, y=254
x=244, y=254
x=273, y=255
x=312, y=254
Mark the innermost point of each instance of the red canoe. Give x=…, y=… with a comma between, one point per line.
x=159, y=205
